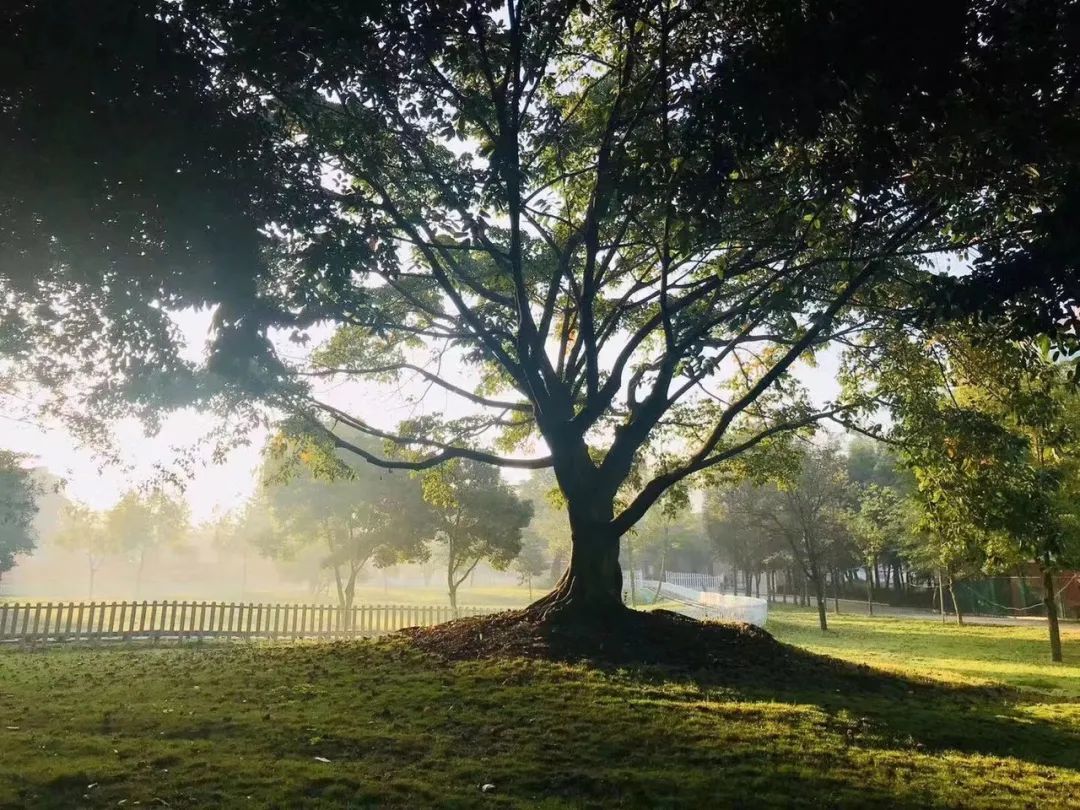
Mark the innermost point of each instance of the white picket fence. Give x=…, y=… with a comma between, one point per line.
x=695, y=581
x=39, y=622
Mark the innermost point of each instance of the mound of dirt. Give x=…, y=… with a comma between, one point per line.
x=629, y=637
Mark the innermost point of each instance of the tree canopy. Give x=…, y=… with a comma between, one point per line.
x=352, y=514
x=19, y=494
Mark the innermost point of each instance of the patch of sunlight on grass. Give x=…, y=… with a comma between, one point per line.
x=1018, y=657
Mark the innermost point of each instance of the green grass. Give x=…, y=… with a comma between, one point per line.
x=242, y=725
x=1018, y=657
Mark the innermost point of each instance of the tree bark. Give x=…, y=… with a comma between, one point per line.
x=819, y=592
x=663, y=565
x=941, y=595
x=592, y=582
x=955, y=604
x=869, y=592
x=1050, y=600
x=139, y=572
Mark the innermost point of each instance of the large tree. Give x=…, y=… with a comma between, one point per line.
x=612, y=217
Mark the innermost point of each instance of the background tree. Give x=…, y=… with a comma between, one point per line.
x=144, y=524
x=19, y=493
x=531, y=561
x=82, y=530
x=477, y=517
x=882, y=520
x=549, y=521
x=671, y=537
x=807, y=509
x=734, y=524
x=881, y=523
x=987, y=426
x=356, y=513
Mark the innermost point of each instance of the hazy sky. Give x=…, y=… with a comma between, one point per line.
x=223, y=487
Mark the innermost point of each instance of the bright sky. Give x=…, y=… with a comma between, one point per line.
x=219, y=488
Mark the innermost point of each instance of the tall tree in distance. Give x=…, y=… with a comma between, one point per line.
x=19, y=494
x=549, y=522
x=531, y=561
x=808, y=510
x=988, y=427
x=478, y=517
x=355, y=514
x=738, y=533
x=145, y=524
x=82, y=530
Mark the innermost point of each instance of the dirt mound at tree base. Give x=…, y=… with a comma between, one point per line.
x=627, y=637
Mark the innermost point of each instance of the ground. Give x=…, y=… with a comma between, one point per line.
x=379, y=724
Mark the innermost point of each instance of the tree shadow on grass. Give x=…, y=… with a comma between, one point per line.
x=904, y=712
x=751, y=665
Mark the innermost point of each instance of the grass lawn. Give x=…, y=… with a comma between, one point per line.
x=251, y=726
x=972, y=654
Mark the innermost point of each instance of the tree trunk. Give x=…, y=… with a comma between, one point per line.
x=339, y=586
x=92, y=565
x=941, y=595
x=592, y=581
x=663, y=572
x=955, y=604
x=869, y=592
x=1050, y=600
x=630, y=565
x=819, y=592
x=451, y=566
x=139, y=572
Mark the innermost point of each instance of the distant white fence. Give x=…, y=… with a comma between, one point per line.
x=694, y=581
x=39, y=622
x=710, y=604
